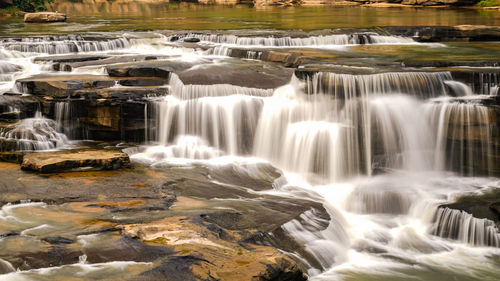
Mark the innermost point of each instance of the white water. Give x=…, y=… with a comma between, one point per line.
x=331, y=136
x=310, y=41
x=36, y=133
x=328, y=143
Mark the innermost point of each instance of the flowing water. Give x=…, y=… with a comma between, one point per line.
x=381, y=151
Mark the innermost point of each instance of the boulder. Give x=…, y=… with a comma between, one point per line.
x=51, y=162
x=44, y=17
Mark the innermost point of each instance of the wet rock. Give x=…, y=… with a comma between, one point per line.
x=11, y=156
x=239, y=73
x=70, y=58
x=44, y=17
x=191, y=40
x=485, y=206
x=113, y=95
x=62, y=86
x=161, y=70
x=447, y=33
x=51, y=162
x=23, y=106
x=58, y=240
x=147, y=81
x=210, y=257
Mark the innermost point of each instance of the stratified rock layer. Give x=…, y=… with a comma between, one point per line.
x=66, y=161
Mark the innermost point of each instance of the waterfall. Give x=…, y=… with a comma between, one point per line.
x=286, y=41
x=66, y=119
x=421, y=84
x=463, y=131
x=400, y=137
x=227, y=123
x=36, y=133
x=459, y=225
x=459, y=89
x=66, y=44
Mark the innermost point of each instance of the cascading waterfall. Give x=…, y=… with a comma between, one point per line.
x=459, y=225
x=321, y=40
x=372, y=148
x=63, y=45
x=400, y=137
x=422, y=84
x=66, y=120
x=459, y=89
x=463, y=133
x=29, y=134
x=324, y=137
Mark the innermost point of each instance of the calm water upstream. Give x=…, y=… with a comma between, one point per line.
x=366, y=133
x=111, y=16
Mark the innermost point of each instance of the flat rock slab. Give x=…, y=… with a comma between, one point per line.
x=252, y=74
x=160, y=69
x=66, y=161
x=44, y=17
x=62, y=85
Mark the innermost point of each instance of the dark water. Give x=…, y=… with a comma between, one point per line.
x=114, y=16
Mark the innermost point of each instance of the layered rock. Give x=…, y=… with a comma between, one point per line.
x=51, y=162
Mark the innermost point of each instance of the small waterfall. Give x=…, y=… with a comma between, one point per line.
x=326, y=240
x=287, y=41
x=421, y=84
x=400, y=137
x=459, y=89
x=463, y=135
x=495, y=91
x=36, y=133
x=462, y=226
x=484, y=82
x=227, y=123
x=66, y=119
x=67, y=44
x=219, y=51
x=314, y=148
x=7, y=70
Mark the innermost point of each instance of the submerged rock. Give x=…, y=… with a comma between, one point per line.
x=67, y=161
x=44, y=17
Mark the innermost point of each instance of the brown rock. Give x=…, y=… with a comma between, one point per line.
x=210, y=257
x=66, y=161
x=44, y=17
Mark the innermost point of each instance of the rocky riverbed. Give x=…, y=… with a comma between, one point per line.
x=250, y=154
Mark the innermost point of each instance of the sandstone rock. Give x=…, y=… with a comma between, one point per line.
x=51, y=162
x=44, y=17
x=62, y=86
x=211, y=257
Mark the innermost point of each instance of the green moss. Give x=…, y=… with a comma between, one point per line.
x=489, y=3
x=12, y=11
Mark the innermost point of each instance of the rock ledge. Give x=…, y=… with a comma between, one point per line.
x=50, y=162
